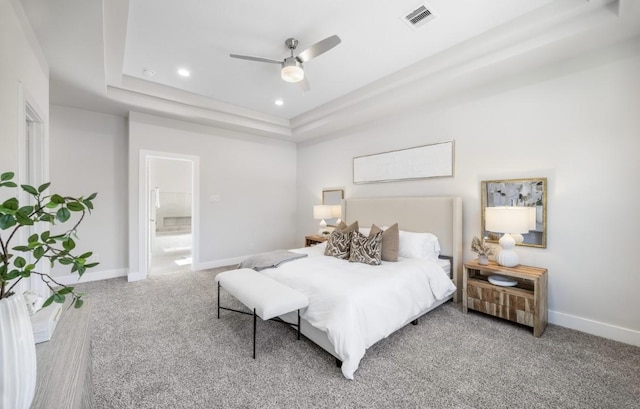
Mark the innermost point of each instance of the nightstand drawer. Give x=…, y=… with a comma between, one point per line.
x=511, y=303
x=502, y=311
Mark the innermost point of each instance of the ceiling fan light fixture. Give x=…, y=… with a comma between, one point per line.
x=292, y=70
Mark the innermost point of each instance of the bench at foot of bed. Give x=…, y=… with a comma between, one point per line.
x=265, y=297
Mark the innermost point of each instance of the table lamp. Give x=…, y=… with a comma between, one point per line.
x=336, y=211
x=507, y=220
x=321, y=212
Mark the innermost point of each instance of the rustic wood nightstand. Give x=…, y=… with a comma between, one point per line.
x=313, y=239
x=524, y=303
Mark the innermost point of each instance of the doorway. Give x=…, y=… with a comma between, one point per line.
x=170, y=213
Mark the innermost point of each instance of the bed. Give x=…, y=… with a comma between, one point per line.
x=354, y=305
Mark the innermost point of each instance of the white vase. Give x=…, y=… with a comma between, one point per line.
x=17, y=355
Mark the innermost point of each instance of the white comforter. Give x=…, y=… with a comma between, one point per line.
x=357, y=304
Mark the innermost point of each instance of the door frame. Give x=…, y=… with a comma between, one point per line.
x=33, y=169
x=144, y=218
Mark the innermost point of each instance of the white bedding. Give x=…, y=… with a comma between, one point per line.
x=357, y=304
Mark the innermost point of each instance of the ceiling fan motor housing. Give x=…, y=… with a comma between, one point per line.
x=292, y=70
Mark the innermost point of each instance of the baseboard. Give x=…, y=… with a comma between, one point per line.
x=626, y=335
x=137, y=276
x=71, y=279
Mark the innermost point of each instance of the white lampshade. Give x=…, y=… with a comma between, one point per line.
x=321, y=212
x=532, y=217
x=292, y=70
x=336, y=211
x=508, y=220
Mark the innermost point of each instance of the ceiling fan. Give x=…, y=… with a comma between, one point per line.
x=292, y=70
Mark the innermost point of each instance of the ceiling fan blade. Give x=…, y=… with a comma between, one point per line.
x=304, y=85
x=318, y=48
x=259, y=59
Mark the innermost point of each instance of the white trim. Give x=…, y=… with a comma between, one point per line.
x=71, y=279
x=601, y=329
x=137, y=276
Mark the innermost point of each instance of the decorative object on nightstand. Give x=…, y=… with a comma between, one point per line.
x=482, y=249
x=522, y=298
x=313, y=239
x=507, y=220
x=322, y=212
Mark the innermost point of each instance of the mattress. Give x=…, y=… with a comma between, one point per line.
x=446, y=266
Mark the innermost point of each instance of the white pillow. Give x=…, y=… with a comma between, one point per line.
x=419, y=245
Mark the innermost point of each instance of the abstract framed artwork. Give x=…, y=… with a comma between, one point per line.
x=427, y=161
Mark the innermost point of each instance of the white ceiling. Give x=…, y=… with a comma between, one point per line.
x=97, y=53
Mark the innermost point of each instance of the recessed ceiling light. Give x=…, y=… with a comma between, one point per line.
x=148, y=73
x=279, y=102
x=183, y=72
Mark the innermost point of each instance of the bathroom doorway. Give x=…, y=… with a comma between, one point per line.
x=170, y=210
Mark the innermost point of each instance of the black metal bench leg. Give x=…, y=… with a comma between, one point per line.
x=254, y=333
x=414, y=322
x=298, y=324
x=218, y=299
x=338, y=363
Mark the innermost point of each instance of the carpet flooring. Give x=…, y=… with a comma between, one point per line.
x=157, y=344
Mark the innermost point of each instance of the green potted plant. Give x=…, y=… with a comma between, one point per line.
x=19, y=260
x=482, y=249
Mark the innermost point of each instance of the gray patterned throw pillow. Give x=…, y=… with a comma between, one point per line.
x=365, y=249
x=338, y=245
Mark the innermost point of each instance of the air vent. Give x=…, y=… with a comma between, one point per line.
x=418, y=17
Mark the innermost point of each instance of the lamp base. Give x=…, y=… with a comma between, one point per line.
x=507, y=257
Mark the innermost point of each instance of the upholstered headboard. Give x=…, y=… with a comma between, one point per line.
x=440, y=215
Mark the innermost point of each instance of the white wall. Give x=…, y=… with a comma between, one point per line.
x=576, y=123
x=24, y=79
x=21, y=62
x=253, y=177
x=88, y=154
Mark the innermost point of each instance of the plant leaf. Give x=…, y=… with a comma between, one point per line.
x=75, y=206
x=63, y=214
x=65, y=290
x=7, y=176
x=23, y=220
x=6, y=221
x=38, y=252
x=44, y=187
x=8, y=184
x=55, y=198
x=48, y=302
x=30, y=189
x=78, y=303
x=20, y=262
x=11, y=204
x=69, y=244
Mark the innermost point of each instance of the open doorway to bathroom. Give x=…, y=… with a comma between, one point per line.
x=170, y=201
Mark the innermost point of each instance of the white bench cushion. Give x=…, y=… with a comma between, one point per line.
x=268, y=297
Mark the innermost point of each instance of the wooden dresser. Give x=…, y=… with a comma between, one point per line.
x=64, y=363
